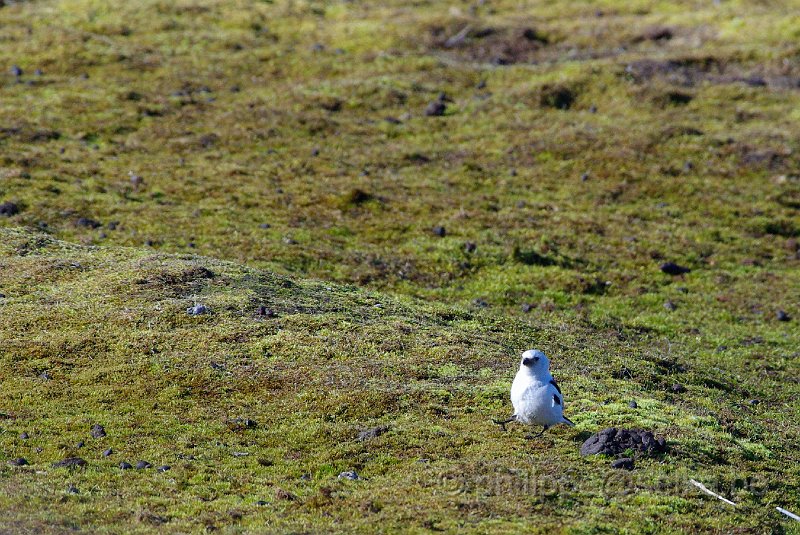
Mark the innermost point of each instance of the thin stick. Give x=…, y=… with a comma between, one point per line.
x=710, y=493
x=788, y=513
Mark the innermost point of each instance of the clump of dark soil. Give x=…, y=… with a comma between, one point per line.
x=559, y=97
x=613, y=441
x=499, y=46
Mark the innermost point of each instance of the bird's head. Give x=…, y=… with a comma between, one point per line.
x=535, y=362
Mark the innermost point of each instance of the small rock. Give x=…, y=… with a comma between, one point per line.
x=24, y=436
x=440, y=231
x=315, y=152
x=372, y=432
x=196, y=310
x=481, y=84
x=783, y=316
x=136, y=180
x=678, y=388
x=142, y=465
x=350, y=474
x=584, y=177
x=626, y=463
x=436, y=108
x=164, y=468
x=108, y=452
x=470, y=247
x=19, y=461
x=592, y=109
x=98, y=431
x=8, y=209
x=527, y=307
x=754, y=401
x=72, y=489
x=262, y=503
x=80, y=444
x=264, y=226
x=87, y=223
x=480, y=303
x=16, y=71
x=671, y=268
x=125, y=466
x=633, y=405
x=69, y=462
x=669, y=305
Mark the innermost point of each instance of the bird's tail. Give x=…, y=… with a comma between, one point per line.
x=567, y=421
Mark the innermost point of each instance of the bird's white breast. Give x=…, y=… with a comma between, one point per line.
x=533, y=400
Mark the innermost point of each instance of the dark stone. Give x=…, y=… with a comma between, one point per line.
x=16, y=71
x=19, y=461
x=633, y=405
x=436, y=108
x=24, y=436
x=164, y=468
x=196, y=310
x=783, y=316
x=264, y=311
x=125, y=466
x=88, y=223
x=80, y=444
x=281, y=494
x=613, y=441
x=262, y=503
x=558, y=97
x=72, y=489
x=108, y=452
x=480, y=303
x=470, y=247
x=527, y=307
x=315, y=152
x=678, y=388
x=440, y=231
x=98, y=431
x=240, y=424
x=69, y=462
x=372, y=432
x=8, y=209
x=669, y=305
x=671, y=268
x=350, y=474
x=264, y=226
x=584, y=177
x=626, y=463
x=141, y=465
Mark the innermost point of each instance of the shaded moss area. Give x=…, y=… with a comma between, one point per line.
x=257, y=414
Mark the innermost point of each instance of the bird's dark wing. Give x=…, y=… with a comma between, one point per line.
x=553, y=382
x=556, y=399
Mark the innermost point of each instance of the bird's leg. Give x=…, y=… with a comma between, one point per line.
x=531, y=437
x=502, y=423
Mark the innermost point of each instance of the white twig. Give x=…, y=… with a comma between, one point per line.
x=710, y=493
x=788, y=513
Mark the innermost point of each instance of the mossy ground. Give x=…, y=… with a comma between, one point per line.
x=583, y=144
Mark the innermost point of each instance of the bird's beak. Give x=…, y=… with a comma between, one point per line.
x=527, y=361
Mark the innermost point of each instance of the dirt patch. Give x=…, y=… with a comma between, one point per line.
x=693, y=71
x=613, y=441
x=482, y=44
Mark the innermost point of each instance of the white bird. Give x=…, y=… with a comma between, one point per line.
x=535, y=395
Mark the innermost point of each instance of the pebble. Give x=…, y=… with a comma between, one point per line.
x=372, y=432
x=72, y=489
x=24, y=436
x=16, y=71
x=783, y=316
x=196, y=310
x=633, y=405
x=678, y=388
x=527, y=307
x=440, y=231
x=164, y=468
x=69, y=462
x=80, y=444
x=350, y=474
x=125, y=466
x=669, y=305
x=108, y=452
x=8, y=209
x=671, y=268
x=626, y=463
x=470, y=247
x=264, y=225
x=98, y=431
x=436, y=108
x=141, y=465
x=19, y=461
